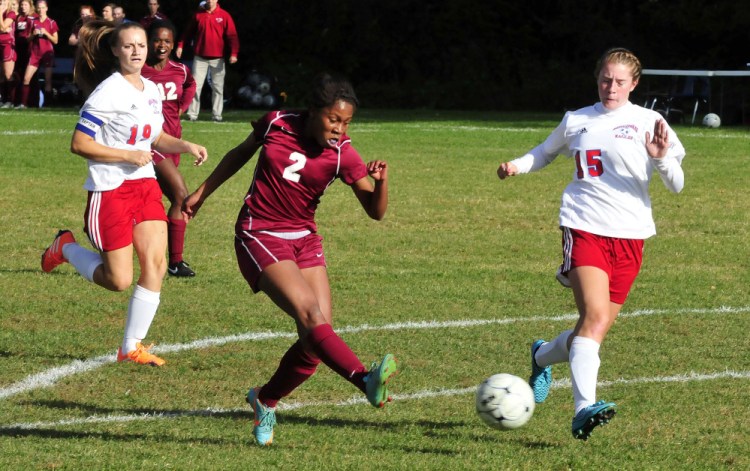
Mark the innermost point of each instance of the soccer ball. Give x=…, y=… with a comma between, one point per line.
x=264, y=87
x=504, y=401
x=712, y=120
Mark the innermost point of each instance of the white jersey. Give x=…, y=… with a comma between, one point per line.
x=609, y=192
x=118, y=115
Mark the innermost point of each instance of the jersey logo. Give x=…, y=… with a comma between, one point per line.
x=133, y=107
x=626, y=131
x=582, y=131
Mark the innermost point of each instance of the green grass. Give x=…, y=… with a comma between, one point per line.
x=457, y=245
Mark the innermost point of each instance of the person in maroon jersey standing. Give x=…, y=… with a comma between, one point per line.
x=177, y=89
x=153, y=14
x=41, y=53
x=7, y=51
x=211, y=28
x=278, y=248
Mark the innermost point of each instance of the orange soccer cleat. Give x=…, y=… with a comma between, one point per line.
x=140, y=355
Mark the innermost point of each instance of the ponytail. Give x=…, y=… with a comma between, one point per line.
x=94, y=59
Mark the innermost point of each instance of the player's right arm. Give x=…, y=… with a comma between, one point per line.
x=84, y=145
x=232, y=162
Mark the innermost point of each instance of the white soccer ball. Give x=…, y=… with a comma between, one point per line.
x=712, y=120
x=264, y=87
x=504, y=401
x=269, y=101
x=256, y=99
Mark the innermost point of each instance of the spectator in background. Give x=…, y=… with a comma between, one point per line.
x=41, y=53
x=7, y=50
x=108, y=12
x=118, y=13
x=86, y=13
x=153, y=14
x=24, y=28
x=210, y=28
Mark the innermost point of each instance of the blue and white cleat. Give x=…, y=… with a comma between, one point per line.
x=377, y=379
x=265, y=418
x=541, y=377
x=592, y=416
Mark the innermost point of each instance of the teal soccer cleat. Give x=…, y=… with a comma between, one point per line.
x=591, y=417
x=541, y=377
x=265, y=418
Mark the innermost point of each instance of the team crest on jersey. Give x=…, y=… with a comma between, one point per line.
x=626, y=131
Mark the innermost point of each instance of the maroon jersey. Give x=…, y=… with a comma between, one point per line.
x=40, y=45
x=177, y=87
x=292, y=174
x=24, y=27
x=10, y=36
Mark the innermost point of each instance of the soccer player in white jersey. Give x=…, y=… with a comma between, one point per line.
x=605, y=215
x=120, y=123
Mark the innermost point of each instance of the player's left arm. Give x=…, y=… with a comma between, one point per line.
x=167, y=144
x=657, y=146
x=188, y=92
x=373, y=197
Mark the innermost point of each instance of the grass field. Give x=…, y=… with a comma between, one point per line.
x=456, y=282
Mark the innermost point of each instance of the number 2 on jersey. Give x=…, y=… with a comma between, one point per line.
x=593, y=163
x=134, y=133
x=290, y=172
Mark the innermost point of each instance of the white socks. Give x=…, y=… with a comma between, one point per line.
x=83, y=260
x=584, y=370
x=141, y=311
x=555, y=351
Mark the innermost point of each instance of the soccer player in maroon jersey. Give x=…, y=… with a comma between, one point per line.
x=41, y=53
x=278, y=248
x=177, y=87
x=7, y=50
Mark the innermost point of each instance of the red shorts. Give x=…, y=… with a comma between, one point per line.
x=8, y=53
x=158, y=157
x=257, y=250
x=46, y=59
x=111, y=215
x=620, y=258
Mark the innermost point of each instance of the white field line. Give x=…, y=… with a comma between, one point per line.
x=51, y=376
x=35, y=132
x=357, y=400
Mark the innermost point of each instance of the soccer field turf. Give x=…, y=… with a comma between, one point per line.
x=457, y=281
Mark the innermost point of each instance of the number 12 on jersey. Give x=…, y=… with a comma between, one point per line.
x=593, y=163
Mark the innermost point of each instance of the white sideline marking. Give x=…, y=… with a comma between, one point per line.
x=426, y=394
x=31, y=132
x=50, y=377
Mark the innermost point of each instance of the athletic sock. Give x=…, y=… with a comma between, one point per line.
x=83, y=260
x=176, y=230
x=584, y=370
x=337, y=355
x=141, y=311
x=296, y=366
x=25, y=89
x=556, y=351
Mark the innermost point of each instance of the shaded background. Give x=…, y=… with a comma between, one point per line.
x=533, y=55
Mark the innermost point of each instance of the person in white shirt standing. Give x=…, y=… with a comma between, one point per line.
x=119, y=124
x=605, y=216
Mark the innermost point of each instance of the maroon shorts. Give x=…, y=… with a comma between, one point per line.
x=46, y=59
x=158, y=157
x=257, y=250
x=8, y=53
x=620, y=258
x=111, y=215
